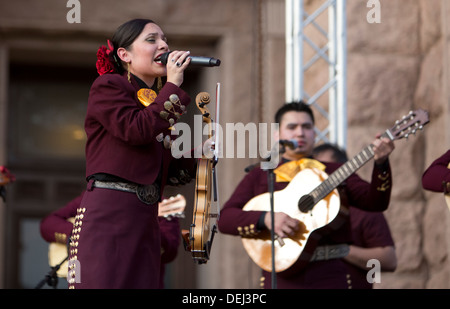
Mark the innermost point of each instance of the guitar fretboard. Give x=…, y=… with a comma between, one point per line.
x=343, y=172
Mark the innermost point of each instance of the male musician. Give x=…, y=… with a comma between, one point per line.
x=296, y=122
x=371, y=236
x=56, y=228
x=437, y=176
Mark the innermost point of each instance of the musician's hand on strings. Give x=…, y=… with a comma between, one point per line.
x=285, y=225
x=382, y=148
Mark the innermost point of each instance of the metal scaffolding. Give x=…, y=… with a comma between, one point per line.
x=333, y=53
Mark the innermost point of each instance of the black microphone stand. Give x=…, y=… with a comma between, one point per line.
x=51, y=278
x=274, y=157
x=271, y=177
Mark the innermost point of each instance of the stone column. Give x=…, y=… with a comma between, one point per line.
x=446, y=78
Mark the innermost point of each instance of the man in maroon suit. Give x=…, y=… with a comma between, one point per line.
x=371, y=236
x=296, y=122
x=437, y=176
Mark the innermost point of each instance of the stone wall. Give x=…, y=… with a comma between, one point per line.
x=394, y=67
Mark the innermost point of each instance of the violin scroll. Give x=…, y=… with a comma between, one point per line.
x=202, y=99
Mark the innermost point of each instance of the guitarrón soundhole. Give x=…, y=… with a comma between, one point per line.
x=306, y=203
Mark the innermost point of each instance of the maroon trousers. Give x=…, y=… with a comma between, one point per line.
x=119, y=243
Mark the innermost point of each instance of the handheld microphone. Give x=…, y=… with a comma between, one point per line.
x=195, y=60
x=289, y=143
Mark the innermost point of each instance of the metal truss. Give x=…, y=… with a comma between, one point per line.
x=333, y=53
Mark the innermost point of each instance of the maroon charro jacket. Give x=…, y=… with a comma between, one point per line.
x=121, y=132
x=437, y=175
x=369, y=230
x=55, y=227
x=374, y=196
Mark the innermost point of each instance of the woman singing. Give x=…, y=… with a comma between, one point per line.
x=115, y=242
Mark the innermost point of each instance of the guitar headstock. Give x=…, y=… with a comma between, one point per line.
x=409, y=124
x=172, y=207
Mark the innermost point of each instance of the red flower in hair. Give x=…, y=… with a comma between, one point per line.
x=105, y=61
x=5, y=176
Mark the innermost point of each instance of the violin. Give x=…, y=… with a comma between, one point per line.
x=200, y=236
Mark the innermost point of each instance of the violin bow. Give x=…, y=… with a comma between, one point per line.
x=216, y=149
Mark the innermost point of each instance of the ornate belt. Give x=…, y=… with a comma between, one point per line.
x=148, y=194
x=323, y=253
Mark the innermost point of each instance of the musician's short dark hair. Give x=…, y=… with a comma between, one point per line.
x=339, y=154
x=299, y=106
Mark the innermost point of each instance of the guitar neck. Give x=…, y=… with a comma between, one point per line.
x=343, y=172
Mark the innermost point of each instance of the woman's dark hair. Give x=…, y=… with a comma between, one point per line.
x=293, y=107
x=125, y=35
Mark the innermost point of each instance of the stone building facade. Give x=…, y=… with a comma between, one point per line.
x=396, y=66
x=47, y=64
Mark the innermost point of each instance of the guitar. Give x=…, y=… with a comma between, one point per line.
x=312, y=198
x=58, y=255
x=172, y=207
x=198, y=240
